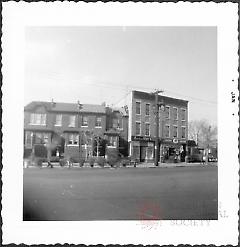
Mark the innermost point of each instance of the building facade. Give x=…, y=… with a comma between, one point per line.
x=63, y=125
x=173, y=126
x=75, y=132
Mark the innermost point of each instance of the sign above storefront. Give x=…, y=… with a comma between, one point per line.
x=142, y=138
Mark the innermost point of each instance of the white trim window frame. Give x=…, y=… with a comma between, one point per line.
x=167, y=136
x=98, y=124
x=138, y=102
x=58, y=120
x=72, y=139
x=183, y=127
x=147, y=109
x=139, y=124
x=175, y=127
x=84, y=121
x=167, y=117
x=149, y=131
x=38, y=119
x=176, y=113
x=72, y=121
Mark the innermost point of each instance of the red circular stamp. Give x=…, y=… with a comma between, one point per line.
x=149, y=214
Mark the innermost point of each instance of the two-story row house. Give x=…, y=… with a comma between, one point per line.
x=173, y=126
x=71, y=129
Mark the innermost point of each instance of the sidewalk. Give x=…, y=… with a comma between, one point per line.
x=142, y=165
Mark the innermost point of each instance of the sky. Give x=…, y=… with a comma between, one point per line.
x=104, y=63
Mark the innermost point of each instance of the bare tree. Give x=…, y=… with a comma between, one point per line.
x=204, y=134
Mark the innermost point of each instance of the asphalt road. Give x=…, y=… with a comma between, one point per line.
x=120, y=194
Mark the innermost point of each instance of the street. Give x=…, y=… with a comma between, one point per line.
x=120, y=194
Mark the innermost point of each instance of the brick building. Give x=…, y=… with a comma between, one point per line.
x=173, y=126
x=61, y=123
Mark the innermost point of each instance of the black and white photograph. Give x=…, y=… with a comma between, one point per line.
x=123, y=123
x=98, y=97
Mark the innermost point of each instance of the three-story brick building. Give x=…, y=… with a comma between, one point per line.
x=173, y=126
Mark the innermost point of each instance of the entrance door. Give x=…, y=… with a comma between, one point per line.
x=143, y=154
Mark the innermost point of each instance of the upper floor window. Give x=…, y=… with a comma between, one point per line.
x=72, y=121
x=167, y=112
x=38, y=118
x=98, y=122
x=58, y=121
x=138, y=108
x=84, y=121
x=183, y=132
x=147, y=109
x=147, y=129
x=175, y=113
x=175, y=131
x=73, y=139
x=138, y=128
x=167, y=131
x=183, y=114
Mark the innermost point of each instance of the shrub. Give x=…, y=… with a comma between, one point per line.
x=101, y=161
x=91, y=161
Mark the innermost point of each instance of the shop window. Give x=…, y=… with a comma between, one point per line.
x=138, y=108
x=98, y=122
x=58, y=121
x=175, y=113
x=167, y=112
x=73, y=139
x=147, y=109
x=175, y=131
x=183, y=132
x=38, y=119
x=167, y=131
x=84, y=121
x=138, y=128
x=147, y=129
x=72, y=121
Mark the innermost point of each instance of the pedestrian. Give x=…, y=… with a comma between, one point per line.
x=49, y=159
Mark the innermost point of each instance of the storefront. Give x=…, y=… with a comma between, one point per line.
x=142, y=148
x=172, y=150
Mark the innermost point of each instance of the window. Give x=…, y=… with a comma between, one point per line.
x=138, y=128
x=175, y=131
x=84, y=121
x=73, y=139
x=138, y=108
x=115, y=123
x=147, y=129
x=175, y=113
x=112, y=141
x=167, y=131
x=58, y=120
x=28, y=138
x=38, y=119
x=183, y=114
x=45, y=137
x=183, y=132
x=167, y=112
x=147, y=109
x=72, y=121
x=98, y=122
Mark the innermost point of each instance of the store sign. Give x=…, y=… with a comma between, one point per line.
x=175, y=140
x=141, y=138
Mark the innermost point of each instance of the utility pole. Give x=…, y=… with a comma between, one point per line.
x=157, y=127
x=79, y=134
